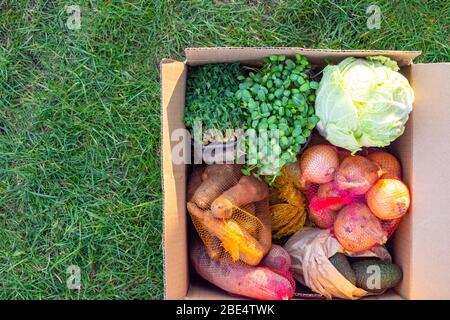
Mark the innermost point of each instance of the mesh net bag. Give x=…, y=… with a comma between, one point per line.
x=353, y=179
x=231, y=214
x=287, y=203
x=357, y=229
x=214, y=180
x=243, y=237
x=279, y=261
x=389, y=164
x=265, y=282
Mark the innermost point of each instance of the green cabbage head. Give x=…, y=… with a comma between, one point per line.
x=363, y=102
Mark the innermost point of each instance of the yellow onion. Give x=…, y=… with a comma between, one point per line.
x=322, y=218
x=329, y=190
x=318, y=164
x=388, y=199
x=389, y=164
x=357, y=174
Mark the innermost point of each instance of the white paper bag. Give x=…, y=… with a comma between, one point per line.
x=310, y=249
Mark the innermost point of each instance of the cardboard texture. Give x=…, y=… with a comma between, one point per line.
x=253, y=56
x=422, y=242
x=173, y=76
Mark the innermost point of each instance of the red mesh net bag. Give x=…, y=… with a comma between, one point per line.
x=353, y=178
x=279, y=261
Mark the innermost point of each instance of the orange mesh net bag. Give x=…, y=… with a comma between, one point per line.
x=230, y=213
x=354, y=196
x=234, y=251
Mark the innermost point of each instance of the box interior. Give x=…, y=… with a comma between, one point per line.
x=419, y=246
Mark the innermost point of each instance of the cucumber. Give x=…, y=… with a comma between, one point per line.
x=340, y=262
x=376, y=276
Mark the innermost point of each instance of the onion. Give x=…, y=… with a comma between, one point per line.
x=322, y=218
x=327, y=190
x=388, y=199
x=357, y=229
x=389, y=164
x=357, y=174
x=318, y=164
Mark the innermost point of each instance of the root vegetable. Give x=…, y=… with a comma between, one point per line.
x=265, y=233
x=389, y=164
x=235, y=240
x=237, y=278
x=324, y=218
x=357, y=229
x=357, y=174
x=248, y=190
x=318, y=164
x=242, y=215
x=277, y=258
x=212, y=170
x=214, y=248
x=212, y=244
x=328, y=190
x=217, y=179
x=195, y=180
x=388, y=199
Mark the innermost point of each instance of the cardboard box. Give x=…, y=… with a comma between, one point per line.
x=421, y=245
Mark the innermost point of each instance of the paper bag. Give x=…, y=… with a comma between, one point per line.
x=310, y=249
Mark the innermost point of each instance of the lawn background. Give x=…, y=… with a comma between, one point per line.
x=80, y=127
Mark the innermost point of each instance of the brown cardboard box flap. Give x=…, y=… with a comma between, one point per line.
x=251, y=56
x=173, y=80
x=422, y=242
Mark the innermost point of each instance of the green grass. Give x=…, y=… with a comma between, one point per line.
x=79, y=122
